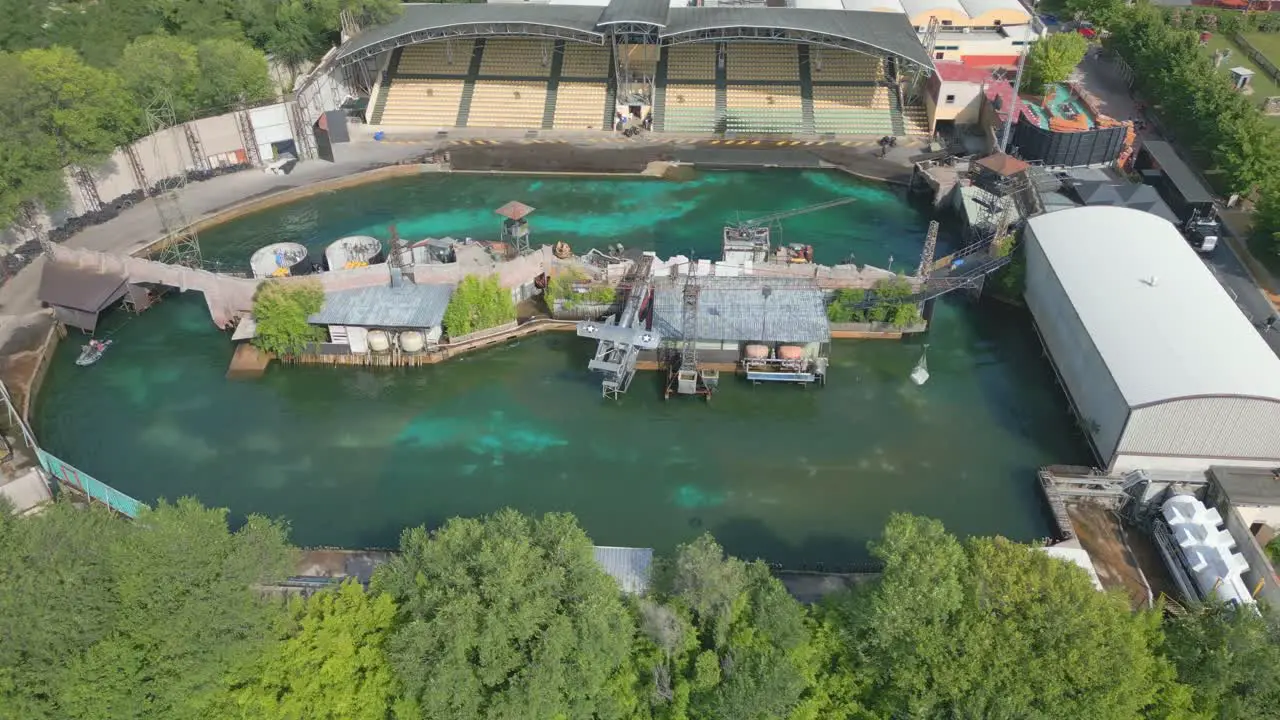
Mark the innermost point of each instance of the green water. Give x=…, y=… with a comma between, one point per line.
x=669, y=217
x=351, y=456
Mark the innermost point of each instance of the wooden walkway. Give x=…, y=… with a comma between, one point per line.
x=444, y=352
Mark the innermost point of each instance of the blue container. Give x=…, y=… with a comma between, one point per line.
x=379, y=136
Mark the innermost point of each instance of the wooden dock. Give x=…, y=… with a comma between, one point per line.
x=247, y=363
x=439, y=354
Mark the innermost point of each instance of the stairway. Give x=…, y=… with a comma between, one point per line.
x=338, y=334
x=806, y=93
x=392, y=68
x=469, y=87
x=659, y=93
x=976, y=264
x=895, y=113
x=553, y=84
x=722, y=91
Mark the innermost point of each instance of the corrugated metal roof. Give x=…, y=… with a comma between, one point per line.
x=1193, y=191
x=78, y=288
x=407, y=306
x=736, y=309
x=629, y=566
x=889, y=32
x=1125, y=194
x=652, y=12
x=1162, y=323
x=421, y=17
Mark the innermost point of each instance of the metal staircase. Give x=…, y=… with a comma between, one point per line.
x=553, y=86
x=895, y=113
x=469, y=86
x=806, y=92
x=722, y=88
x=659, y=94
x=393, y=67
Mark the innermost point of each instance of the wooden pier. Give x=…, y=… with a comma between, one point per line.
x=397, y=358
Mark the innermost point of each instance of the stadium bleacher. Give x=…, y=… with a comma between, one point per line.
x=766, y=88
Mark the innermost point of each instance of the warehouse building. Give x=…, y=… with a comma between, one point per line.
x=1162, y=369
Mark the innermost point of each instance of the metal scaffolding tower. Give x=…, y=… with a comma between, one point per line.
x=622, y=337
x=87, y=187
x=684, y=377
x=198, y=159
x=248, y=138
x=182, y=244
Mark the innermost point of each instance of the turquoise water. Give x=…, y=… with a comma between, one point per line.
x=798, y=476
x=669, y=217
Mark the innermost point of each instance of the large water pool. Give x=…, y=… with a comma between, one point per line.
x=352, y=456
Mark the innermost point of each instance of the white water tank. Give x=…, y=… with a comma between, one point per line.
x=411, y=341
x=378, y=341
x=1206, y=549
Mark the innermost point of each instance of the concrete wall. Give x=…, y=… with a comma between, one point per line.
x=1260, y=570
x=964, y=105
x=1265, y=514
x=1093, y=392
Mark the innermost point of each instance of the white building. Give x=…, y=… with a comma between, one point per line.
x=1161, y=367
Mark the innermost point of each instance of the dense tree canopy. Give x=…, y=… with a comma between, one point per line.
x=76, y=76
x=281, y=310
x=510, y=617
x=104, y=619
x=1052, y=59
x=1224, y=129
x=478, y=304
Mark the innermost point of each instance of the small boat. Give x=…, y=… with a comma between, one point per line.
x=92, y=353
x=920, y=375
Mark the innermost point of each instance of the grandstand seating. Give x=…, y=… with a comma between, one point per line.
x=437, y=59
x=585, y=61
x=580, y=106
x=764, y=108
x=411, y=101
x=691, y=62
x=827, y=65
x=762, y=61
x=690, y=108
x=516, y=58
x=852, y=110
x=760, y=90
x=508, y=104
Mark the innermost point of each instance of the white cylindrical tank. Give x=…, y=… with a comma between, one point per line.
x=757, y=352
x=411, y=341
x=378, y=341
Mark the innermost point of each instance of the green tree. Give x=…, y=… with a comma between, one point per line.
x=995, y=629
x=1229, y=658
x=56, y=601
x=156, y=67
x=30, y=162
x=281, y=309
x=478, y=304
x=187, y=615
x=1051, y=60
x=231, y=72
x=331, y=666
x=511, y=617
x=84, y=109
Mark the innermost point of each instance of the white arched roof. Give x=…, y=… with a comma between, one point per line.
x=1162, y=323
x=978, y=8
x=916, y=8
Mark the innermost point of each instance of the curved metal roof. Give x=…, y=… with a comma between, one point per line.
x=1158, y=317
x=643, y=12
x=889, y=33
x=421, y=22
x=872, y=32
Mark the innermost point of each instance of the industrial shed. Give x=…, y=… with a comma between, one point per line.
x=1162, y=369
